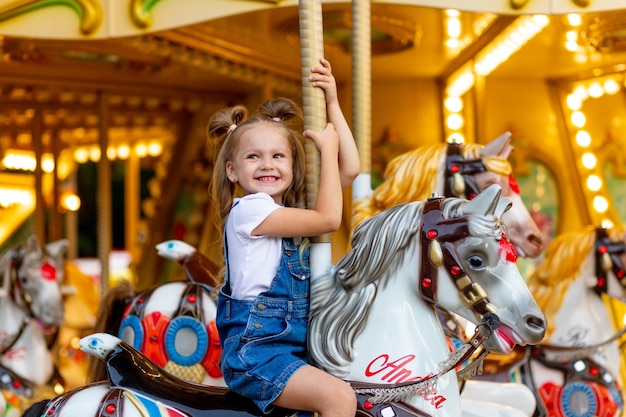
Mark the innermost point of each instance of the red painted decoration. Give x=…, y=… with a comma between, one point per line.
x=48, y=271
x=110, y=408
x=426, y=282
x=432, y=233
x=455, y=270
x=513, y=184
x=368, y=405
x=454, y=169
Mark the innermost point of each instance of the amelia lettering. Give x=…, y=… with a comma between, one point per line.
x=396, y=371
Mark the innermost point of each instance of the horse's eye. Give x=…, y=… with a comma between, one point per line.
x=476, y=262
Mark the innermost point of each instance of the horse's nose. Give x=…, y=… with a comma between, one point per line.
x=536, y=327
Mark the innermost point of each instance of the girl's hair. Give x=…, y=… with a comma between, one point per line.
x=226, y=127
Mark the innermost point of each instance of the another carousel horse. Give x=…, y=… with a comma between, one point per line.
x=576, y=370
x=31, y=310
x=455, y=170
x=378, y=301
x=173, y=323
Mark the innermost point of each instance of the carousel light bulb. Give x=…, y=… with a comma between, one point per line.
x=595, y=90
x=581, y=92
x=81, y=155
x=600, y=204
x=589, y=160
x=111, y=153
x=456, y=137
x=123, y=151
x=94, y=154
x=594, y=183
x=453, y=104
x=573, y=102
x=70, y=201
x=454, y=121
x=155, y=148
x=607, y=224
x=578, y=119
x=574, y=19
x=583, y=138
x=141, y=149
x=47, y=164
x=611, y=86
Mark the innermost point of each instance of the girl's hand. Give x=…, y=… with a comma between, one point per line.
x=323, y=78
x=326, y=140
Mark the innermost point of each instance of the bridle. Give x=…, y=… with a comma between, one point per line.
x=607, y=259
x=459, y=173
x=437, y=236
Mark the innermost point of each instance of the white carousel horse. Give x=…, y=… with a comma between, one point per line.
x=378, y=301
x=455, y=170
x=173, y=323
x=462, y=170
x=31, y=310
x=576, y=370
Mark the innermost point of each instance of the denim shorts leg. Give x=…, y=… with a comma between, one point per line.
x=258, y=361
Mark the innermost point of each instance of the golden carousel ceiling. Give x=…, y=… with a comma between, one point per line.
x=147, y=86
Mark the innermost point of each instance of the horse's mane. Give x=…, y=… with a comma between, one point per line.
x=412, y=176
x=340, y=301
x=565, y=259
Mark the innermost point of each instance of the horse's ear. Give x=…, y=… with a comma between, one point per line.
x=58, y=249
x=500, y=146
x=504, y=204
x=485, y=202
x=32, y=244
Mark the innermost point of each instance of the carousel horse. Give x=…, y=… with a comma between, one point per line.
x=378, y=301
x=576, y=370
x=461, y=170
x=31, y=310
x=173, y=323
x=455, y=170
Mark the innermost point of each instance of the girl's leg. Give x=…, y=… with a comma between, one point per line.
x=312, y=389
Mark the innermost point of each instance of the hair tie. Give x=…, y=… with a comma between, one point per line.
x=231, y=128
x=277, y=119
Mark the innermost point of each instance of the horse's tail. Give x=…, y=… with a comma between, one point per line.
x=110, y=314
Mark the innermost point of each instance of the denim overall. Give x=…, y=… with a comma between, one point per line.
x=264, y=341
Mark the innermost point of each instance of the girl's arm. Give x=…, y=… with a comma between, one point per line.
x=349, y=162
x=327, y=215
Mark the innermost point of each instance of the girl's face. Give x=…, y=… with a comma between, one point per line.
x=262, y=162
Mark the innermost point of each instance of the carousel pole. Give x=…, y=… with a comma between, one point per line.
x=104, y=220
x=361, y=95
x=314, y=108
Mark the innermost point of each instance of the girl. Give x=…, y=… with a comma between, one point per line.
x=264, y=302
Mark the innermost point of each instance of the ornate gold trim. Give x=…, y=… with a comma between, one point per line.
x=140, y=12
x=582, y=3
x=89, y=11
x=518, y=4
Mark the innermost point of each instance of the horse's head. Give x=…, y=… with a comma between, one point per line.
x=466, y=176
x=34, y=275
x=470, y=248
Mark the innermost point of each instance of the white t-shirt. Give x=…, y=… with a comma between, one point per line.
x=252, y=260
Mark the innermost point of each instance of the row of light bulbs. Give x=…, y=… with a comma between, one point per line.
x=608, y=85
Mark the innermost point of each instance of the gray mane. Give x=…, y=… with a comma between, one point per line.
x=340, y=300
